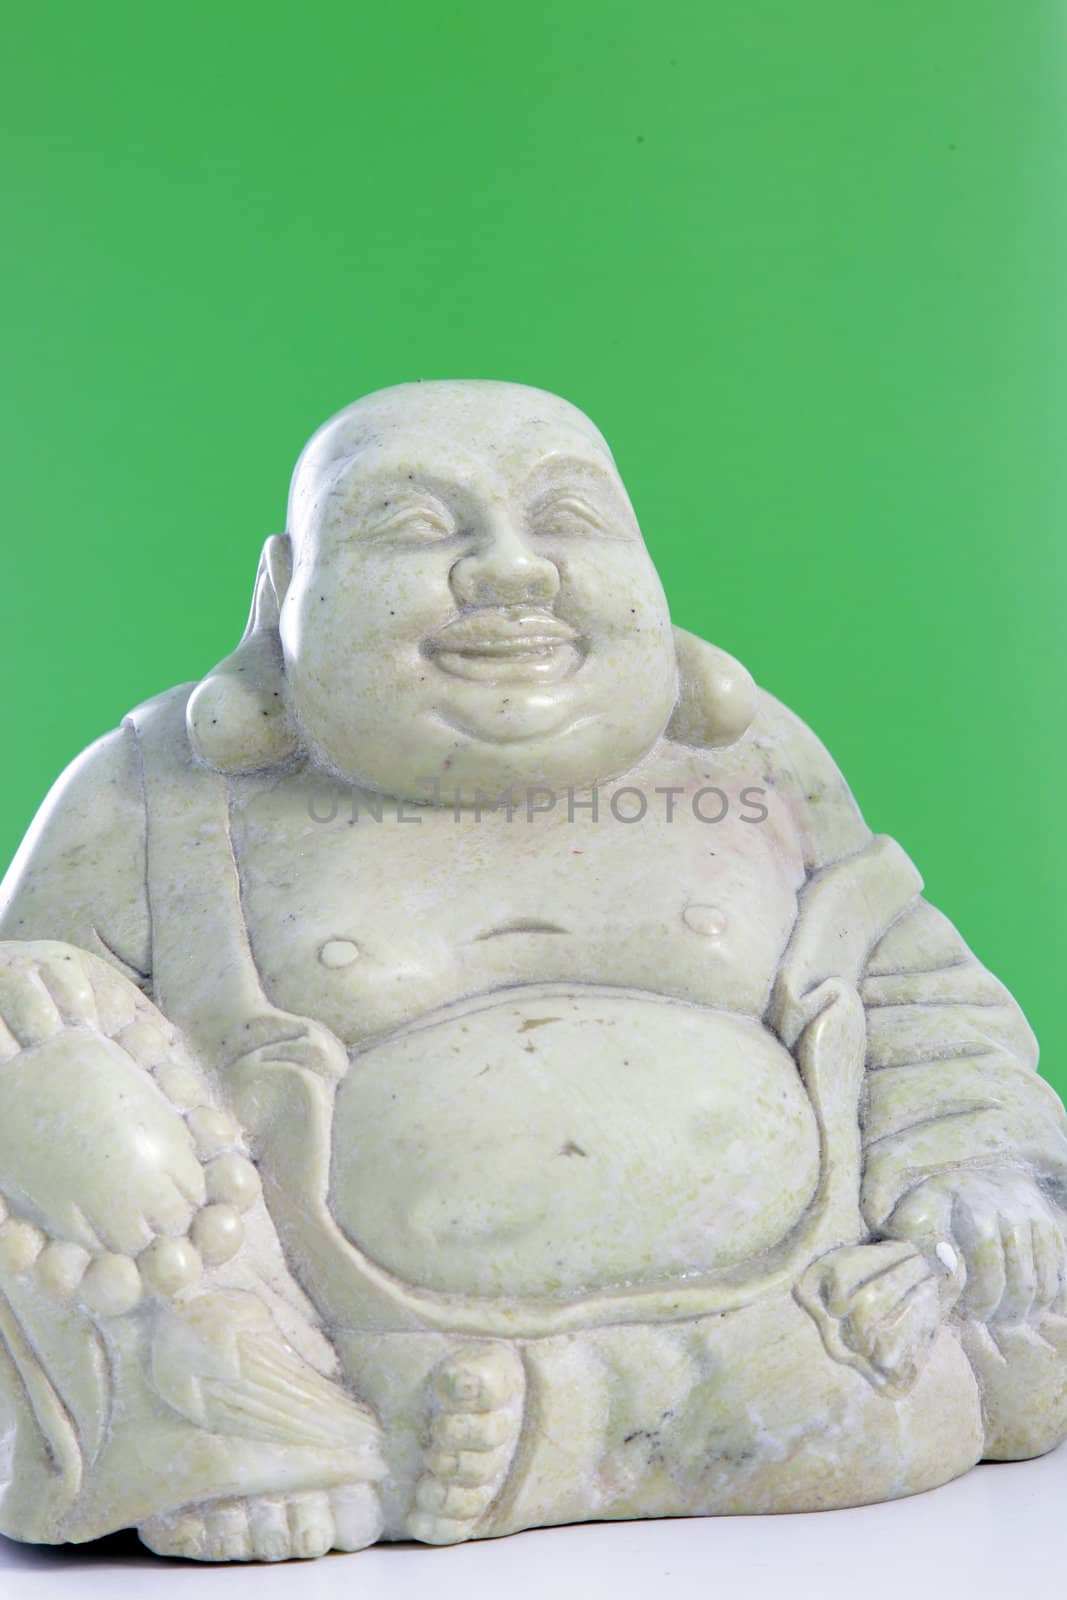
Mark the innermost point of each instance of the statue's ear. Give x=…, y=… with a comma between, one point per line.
x=238, y=716
x=272, y=584
x=717, y=698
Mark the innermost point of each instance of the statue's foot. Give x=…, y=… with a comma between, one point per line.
x=476, y=1403
x=268, y=1527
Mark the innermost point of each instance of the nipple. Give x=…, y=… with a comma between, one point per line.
x=338, y=953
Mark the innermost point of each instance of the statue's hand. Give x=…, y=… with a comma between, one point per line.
x=280, y=1049
x=279, y=1038
x=89, y=1143
x=1000, y=1244
x=877, y=1309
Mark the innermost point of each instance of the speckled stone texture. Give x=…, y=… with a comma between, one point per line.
x=466, y=1064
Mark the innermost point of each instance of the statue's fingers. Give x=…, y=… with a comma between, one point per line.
x=117, y=999
x=891, y=1357
x=68, y=1221
x=848, y=1270
x=166, y=1210
x=313, y=1054
x=120, y=1226
x=979, y=1238
x=27, y=1007
x=875, y=1300
x=65, y=978
x=146, y=1042
x=187, y=1176
x=1050, y=1259
x=1020, y=1274
x=168, y=1157
x=903, y=1339
x=924, y=1216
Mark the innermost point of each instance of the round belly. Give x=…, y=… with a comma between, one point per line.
x=548, y=1143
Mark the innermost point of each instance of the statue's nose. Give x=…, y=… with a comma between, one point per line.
x=504, y=570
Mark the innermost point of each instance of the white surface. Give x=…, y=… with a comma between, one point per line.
x=1002, y=1530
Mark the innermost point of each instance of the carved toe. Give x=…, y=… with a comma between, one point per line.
x=296, y=1527
x=476, y=1400
x=310, y=1525
x=268, y=1526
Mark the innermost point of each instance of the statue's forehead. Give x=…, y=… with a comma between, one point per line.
x=443, y=428
x=464, y=457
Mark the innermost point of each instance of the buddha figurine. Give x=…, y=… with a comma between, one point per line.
x=466, y=1065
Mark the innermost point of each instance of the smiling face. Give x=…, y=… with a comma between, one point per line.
x=471, y=601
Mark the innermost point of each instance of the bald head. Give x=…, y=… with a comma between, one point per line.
x=469, y=595
x=493, y=421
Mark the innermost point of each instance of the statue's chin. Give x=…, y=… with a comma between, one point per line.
x=549, y=721
x=440, y=761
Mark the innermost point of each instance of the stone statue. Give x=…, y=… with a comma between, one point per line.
x=466, y=1065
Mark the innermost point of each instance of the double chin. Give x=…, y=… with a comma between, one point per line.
x=415, y=720
x=440, y=759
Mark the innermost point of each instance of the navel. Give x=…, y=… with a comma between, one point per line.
x=338, y=953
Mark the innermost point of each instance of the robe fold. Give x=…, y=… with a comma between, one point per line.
x=951, y=1072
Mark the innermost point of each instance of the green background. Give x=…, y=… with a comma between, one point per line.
x=803, y=262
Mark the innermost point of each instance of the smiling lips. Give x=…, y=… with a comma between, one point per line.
x=505, y=643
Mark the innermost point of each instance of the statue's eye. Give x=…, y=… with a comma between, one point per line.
x=419, y=524
x=568, y=514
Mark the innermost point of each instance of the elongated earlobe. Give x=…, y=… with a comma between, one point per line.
x=238, y=716
x=717, y=697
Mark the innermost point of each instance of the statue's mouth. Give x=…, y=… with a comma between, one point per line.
x=506, y=643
